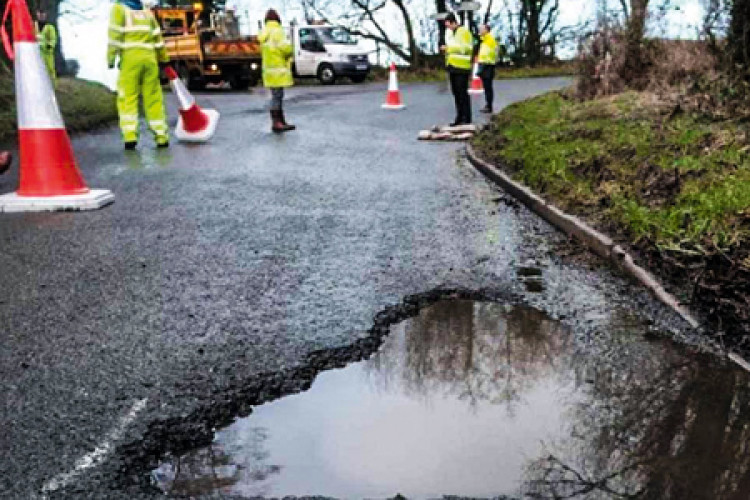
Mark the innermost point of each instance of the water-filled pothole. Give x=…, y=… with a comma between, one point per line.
x=481, y=399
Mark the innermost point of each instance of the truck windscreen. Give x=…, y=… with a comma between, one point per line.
x=335, y=35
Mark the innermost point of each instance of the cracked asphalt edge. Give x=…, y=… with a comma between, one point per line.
x=599, y=243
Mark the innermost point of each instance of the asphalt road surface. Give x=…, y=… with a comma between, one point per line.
x=130, y=331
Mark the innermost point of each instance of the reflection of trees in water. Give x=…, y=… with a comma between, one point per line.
x=475, y=351
x=673, y=427
x=208, y=470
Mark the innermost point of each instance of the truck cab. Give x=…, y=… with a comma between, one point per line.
x=328, y=53
x=206, y=47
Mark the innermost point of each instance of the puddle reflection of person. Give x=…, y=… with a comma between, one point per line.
x=6, y=158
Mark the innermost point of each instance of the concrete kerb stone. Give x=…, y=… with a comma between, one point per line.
x=599, y=243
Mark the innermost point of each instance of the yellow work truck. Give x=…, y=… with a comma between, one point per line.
x=207, y=47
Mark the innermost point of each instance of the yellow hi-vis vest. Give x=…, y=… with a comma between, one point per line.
x=459, y=48
x=488, y=50
x=277, y=53
x=134, y=30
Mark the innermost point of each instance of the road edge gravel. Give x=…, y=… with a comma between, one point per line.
x=599, y=243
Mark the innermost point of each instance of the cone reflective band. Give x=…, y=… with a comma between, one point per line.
x=393, y=99
x=476, y=82
x=49, y=175
x=195, y=124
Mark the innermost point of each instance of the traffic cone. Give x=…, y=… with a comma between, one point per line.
x=476, y=82
x=49, y=175
x=195, y=124
x=393, y=99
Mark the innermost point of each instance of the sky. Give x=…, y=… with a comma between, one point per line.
x=86, y=40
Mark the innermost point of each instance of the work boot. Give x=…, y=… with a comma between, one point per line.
x=277, y=125
x=486, y=109
x=287, y=126
x=130, y=145
x=6, y=158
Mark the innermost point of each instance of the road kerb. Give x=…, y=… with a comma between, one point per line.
x=599, y=243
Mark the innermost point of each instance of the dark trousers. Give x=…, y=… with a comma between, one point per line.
x=460, y=88
x=487, y=74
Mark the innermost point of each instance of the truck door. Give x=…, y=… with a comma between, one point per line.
x=308, y=51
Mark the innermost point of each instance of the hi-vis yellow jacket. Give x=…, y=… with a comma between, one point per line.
x=134, y=31
x=459, y=48
x=277, y=54
x=488, y=50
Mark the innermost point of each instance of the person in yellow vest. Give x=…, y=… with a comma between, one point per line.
x=135, y=38
x=487, y=62
x=46, y=35
x=458, y=49
x=277, y=52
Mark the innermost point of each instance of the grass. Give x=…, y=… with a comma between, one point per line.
x=407, y=75
x=671, y=184
x=633, y=165
x=83, y=104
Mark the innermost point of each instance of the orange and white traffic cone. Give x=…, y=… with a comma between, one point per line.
x=195, y=124
x=393, y=99
x=49, y=176
x=476, y=82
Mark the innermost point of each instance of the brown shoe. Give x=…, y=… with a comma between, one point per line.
x=6, y=158
x=287, y=126
x=277, y=125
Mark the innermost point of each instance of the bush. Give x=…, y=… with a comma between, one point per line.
x=666, y=64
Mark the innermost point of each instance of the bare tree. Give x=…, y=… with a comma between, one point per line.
x=362, y=18
x=533, y=26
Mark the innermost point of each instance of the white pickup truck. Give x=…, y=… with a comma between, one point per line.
x=328, y=52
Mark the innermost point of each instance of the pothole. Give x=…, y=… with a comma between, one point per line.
x=480, y=399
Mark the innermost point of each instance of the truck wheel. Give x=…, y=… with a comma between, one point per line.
x=184, y=74
x=196, y=84
x=326, y=74
x=237, y=83
x=358, y=78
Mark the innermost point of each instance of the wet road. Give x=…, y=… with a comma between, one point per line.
x=129, y=331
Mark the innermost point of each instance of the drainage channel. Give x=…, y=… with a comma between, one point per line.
x=479, y=399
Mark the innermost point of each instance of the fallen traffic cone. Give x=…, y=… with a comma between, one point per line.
x=49, y=175
x=195, y=124
x=476, y=82
x=393, y=99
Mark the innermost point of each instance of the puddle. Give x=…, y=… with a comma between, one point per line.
x=483, y=400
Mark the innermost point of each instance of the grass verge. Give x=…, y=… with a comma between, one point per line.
x=407, y=75
x=673, y=185
x=83, y=104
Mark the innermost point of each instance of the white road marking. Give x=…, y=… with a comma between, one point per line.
x=99, y=454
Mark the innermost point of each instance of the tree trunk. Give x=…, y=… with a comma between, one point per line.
x=739, y=33
x=533, y=36
x=441, y=7
x=634, y=60
x=414, y=53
